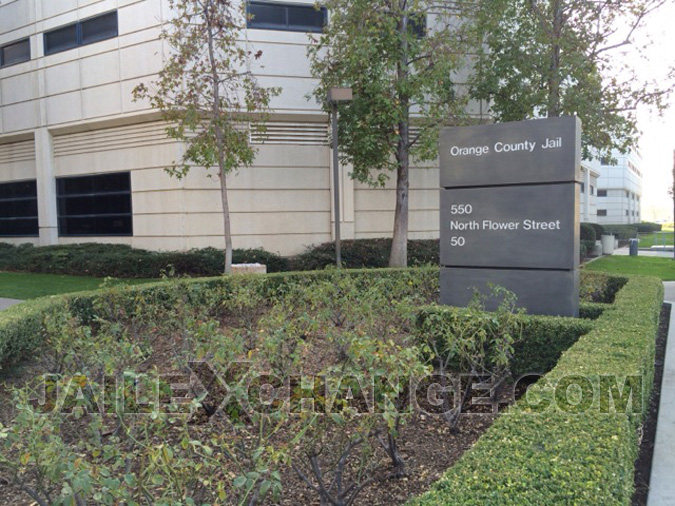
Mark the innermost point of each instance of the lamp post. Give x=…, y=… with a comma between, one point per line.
x=335, y=96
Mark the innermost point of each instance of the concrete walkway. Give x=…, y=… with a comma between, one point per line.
x=5, y=303
x=662, y=481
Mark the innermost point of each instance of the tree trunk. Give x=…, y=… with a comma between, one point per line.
x=554, y=70
x=226, y=223
x=210, y=20
x=398, y=257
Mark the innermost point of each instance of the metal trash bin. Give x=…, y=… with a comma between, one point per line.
x=633, y=247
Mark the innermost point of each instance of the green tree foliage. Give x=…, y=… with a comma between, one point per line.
x=205, y=90
x=548, y=58
x=402, y=77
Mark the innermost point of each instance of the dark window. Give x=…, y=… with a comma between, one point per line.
x=602, y=193
x=18, y=209
x=289, y=17
x=602, y=212
x=95, y=205
x=418, y=26
x=592, y=190
x=99, y=28
x=81, y=33
x=626, y=212
x=583, y=188
x=605, y=160
x=61, y=39
x=16, y=52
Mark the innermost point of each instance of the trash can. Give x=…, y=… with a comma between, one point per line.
x=633, y=247
x=607, y=244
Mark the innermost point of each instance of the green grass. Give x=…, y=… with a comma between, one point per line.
x=23, y=286
x=649, y=240
x=660, y=267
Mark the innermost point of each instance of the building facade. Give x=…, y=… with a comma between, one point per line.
x=619, y=190
x=588, y=200
x=81, y=161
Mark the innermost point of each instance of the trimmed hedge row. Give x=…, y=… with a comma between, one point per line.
x=546, y=449
x=22, y=326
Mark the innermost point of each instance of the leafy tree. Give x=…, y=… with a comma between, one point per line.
x=205, y=91
x=548, y=58
x=401, y=74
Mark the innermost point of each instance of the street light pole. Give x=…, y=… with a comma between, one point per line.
x=336, y=95
x=336, y=185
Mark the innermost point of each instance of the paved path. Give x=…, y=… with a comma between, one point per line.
x=662, y=481
x=5, y=303
x=645, y=253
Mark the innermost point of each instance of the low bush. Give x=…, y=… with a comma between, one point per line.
x=621, y=232
x=548, y=449
x=364, y=253
x=123, y=261
x=599, y=229
x=647, y=227
x=587, y=232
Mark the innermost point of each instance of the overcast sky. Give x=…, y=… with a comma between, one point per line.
x=658, y=133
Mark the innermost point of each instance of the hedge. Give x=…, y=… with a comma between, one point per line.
x=569, y=455
x=123, y=261
x=21, y=326
x=554, y=456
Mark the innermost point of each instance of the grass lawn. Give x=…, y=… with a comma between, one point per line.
x=18, y=285
x=660, y=267
x=649, y=240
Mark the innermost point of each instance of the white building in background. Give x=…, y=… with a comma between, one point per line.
x=588, y=206
x=80, y=161
x=619, y=190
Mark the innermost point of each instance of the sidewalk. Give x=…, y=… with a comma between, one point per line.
x=5, y=303
x=662, y=484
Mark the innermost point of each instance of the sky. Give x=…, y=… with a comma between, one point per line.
x=658, y=133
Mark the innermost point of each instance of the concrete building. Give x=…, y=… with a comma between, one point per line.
x=619, y=190
x=80, y=161
x=588, y=201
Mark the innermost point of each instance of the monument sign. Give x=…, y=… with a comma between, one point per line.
x=510, y=213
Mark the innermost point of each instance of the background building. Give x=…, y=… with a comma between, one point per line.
x=80, y=161
x=588, y=211
x=619, y=190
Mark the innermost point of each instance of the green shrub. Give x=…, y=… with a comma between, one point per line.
x=599, y=230
x=364, y=253
x=123, y=261
x=621, y=232
x=647, y=227
x=584, y=454
x=587, y=232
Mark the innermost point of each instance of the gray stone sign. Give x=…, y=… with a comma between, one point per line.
x=510, y=213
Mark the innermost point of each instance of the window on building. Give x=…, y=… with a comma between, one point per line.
x=94, y=205
x=418, y=26
x=288, y=17
x=626, y=212
x=602, y=193
x=18, y=209
x=583, y=188
x=602, y=212
x=592, y=190
x=15, y=52
x=627, y=194
x=81, y=33
x=605, y=160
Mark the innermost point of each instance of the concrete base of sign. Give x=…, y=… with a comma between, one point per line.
x=249, y=269
x=538, y=291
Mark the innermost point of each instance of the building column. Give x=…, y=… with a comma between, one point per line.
x=46, y=187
